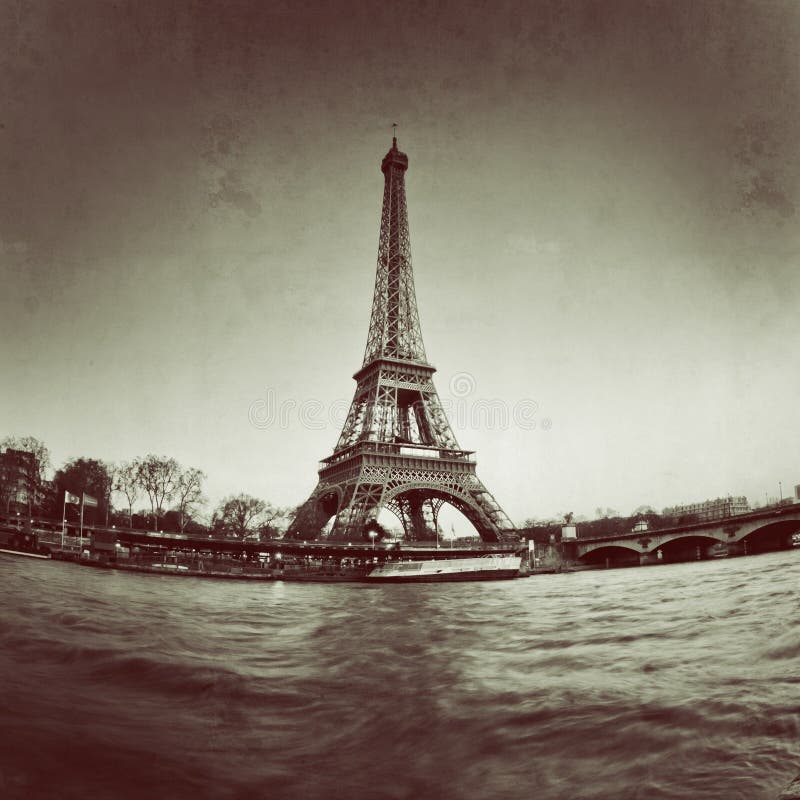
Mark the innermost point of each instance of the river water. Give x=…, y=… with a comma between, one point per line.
x=674, y=681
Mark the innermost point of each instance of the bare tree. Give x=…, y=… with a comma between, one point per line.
x=188, y=492
x=239, y=515
x=126, y=482
x=272, y=520
x=157, y=477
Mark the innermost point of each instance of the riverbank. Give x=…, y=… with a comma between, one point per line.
x=420, y=571
x=232, y=573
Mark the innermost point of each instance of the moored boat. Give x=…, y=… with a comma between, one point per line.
x=485, y=568
x=26, y=553
x=14, y=542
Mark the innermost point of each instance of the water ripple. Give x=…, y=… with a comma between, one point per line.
x=672, y=682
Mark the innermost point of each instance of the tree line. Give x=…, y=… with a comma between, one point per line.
x=173, y=493
x=608, y=523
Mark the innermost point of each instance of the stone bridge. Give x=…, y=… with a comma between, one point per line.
x=743, y=534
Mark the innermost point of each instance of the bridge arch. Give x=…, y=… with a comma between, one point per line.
x=708, y=538
x=694, y=546
x=612, y=555
x=765, y=538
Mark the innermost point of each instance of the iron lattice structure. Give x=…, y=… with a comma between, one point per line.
x=396, y=449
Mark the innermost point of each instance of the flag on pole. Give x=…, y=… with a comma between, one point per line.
x=71, y=498
x=89, y=501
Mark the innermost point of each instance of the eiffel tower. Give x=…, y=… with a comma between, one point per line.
x=396, y=450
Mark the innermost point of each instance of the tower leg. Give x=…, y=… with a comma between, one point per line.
x=419, y=523
x=424, y=513
x=314, y=514
x=362, y=508
x=399, y=507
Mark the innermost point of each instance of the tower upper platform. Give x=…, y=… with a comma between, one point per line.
x=394, y=158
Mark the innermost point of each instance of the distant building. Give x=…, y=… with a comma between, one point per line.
x=710, y=509
x=18, y=485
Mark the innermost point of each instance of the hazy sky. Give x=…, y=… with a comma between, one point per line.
x=603, y=208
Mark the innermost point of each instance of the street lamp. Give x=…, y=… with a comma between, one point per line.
x=373, y=535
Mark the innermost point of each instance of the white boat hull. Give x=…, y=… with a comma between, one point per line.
x=446, y=570
x=23, y=553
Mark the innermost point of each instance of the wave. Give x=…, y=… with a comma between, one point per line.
x=626, y=684
x=195, y=681
x=784, y=647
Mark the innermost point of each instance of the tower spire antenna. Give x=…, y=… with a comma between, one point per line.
x=394, y=135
